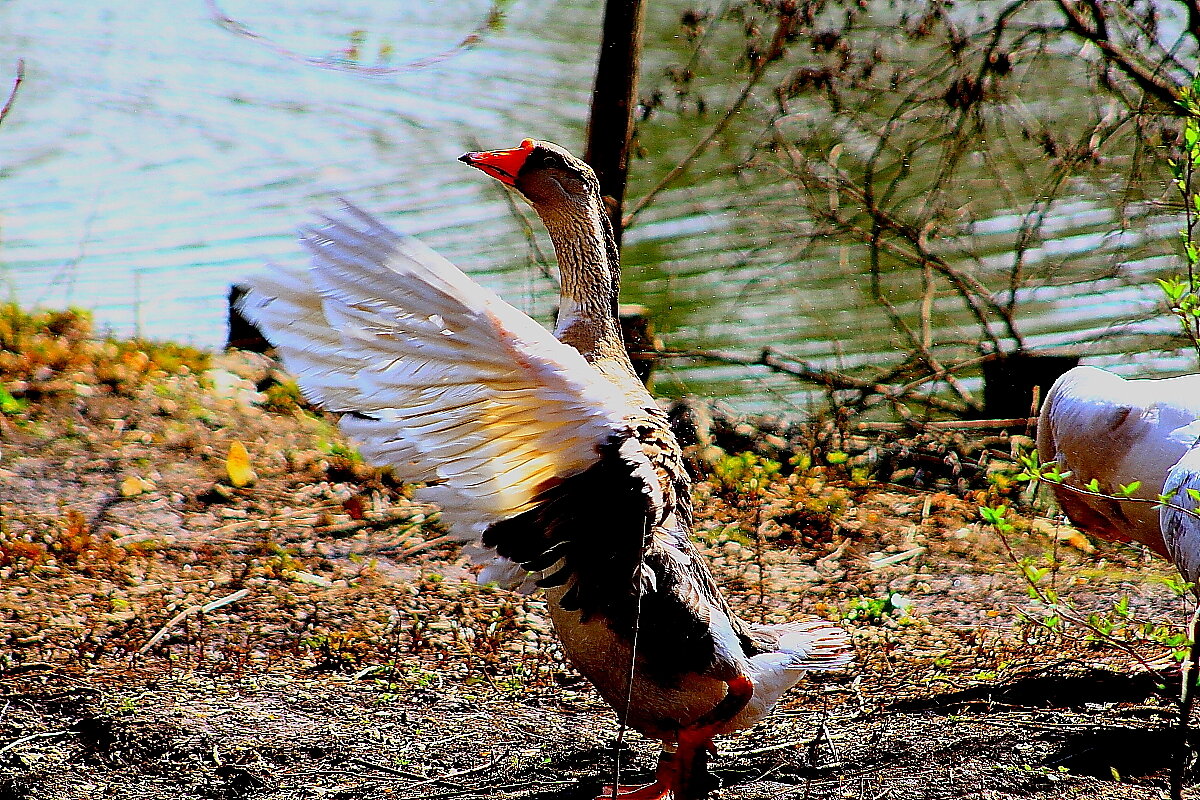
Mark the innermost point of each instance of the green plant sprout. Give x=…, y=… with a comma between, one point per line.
x=1034, y=471
x=1183, y=293
x=746, y=474
x=875, y=609
x=1116, y=626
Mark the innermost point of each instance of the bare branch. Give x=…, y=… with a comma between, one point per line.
x=836, y=381
x=700, y=146
x=774, y=52
x=1047, y=194
x=975, y=294
x=1095, y=31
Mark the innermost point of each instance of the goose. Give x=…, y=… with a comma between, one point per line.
x=546, y=453
x=1099, y=426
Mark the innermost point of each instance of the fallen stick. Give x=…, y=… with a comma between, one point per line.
x=447, y=777
x=31, y=737
x=189, y=611
x=12, y=93
x=416, y=516
x=946, y=425
x=399, y=773
x=429, y=544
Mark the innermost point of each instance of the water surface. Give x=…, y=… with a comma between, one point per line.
x=153, y=156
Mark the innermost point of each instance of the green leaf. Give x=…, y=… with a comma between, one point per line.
x=1129, y=488
x=8, y=403
x=1035, y=574
x=1173, y=288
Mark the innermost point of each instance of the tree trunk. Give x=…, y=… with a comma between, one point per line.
x=613, y=100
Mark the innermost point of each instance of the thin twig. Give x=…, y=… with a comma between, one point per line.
x=760, y=559
x=429, y=544
x=307, y=515
x=492, y=20
x=458, y=774
x=946, y=425
x=407, y=514
x=101, y=516
x=774, y=52
x=539, y=257
x=1194, y=512
x=760, y=750
x=1096, y=32
x=638, y=589
x=1187, y=698
x=914, y=236
x=12, y=93
x=1067, y=614
x=400, y=773
x=491, y=790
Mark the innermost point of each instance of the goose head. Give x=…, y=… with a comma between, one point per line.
x=545, y=174
x=565, y=193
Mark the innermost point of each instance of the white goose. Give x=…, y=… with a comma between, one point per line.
x=1100, y=426
x=548, y=455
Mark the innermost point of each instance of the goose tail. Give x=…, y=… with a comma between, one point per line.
x=792, y=649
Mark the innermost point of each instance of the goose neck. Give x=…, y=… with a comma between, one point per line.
x=590, y=272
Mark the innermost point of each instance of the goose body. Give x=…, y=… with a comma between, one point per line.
x=1100, y=426
x=546, y=454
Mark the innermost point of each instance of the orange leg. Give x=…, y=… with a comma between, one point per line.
x=663, y=787
x=683, y=774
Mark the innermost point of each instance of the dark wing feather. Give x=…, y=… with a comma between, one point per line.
x=609, y=537
x=594, y=526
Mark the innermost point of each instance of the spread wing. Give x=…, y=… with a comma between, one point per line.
x=439, y=378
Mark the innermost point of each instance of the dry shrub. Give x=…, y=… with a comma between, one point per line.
x=53, y=353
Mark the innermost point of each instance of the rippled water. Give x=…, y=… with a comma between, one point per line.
x=153, y=156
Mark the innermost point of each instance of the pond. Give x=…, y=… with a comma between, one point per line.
x=154, y=155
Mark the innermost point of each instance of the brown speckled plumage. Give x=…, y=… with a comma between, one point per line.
x=550, y=457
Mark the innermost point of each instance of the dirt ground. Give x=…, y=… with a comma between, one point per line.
x=164, y=634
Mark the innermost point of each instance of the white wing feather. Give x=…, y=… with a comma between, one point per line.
x=446, y=382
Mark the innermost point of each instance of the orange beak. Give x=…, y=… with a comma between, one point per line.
x=503, y=165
